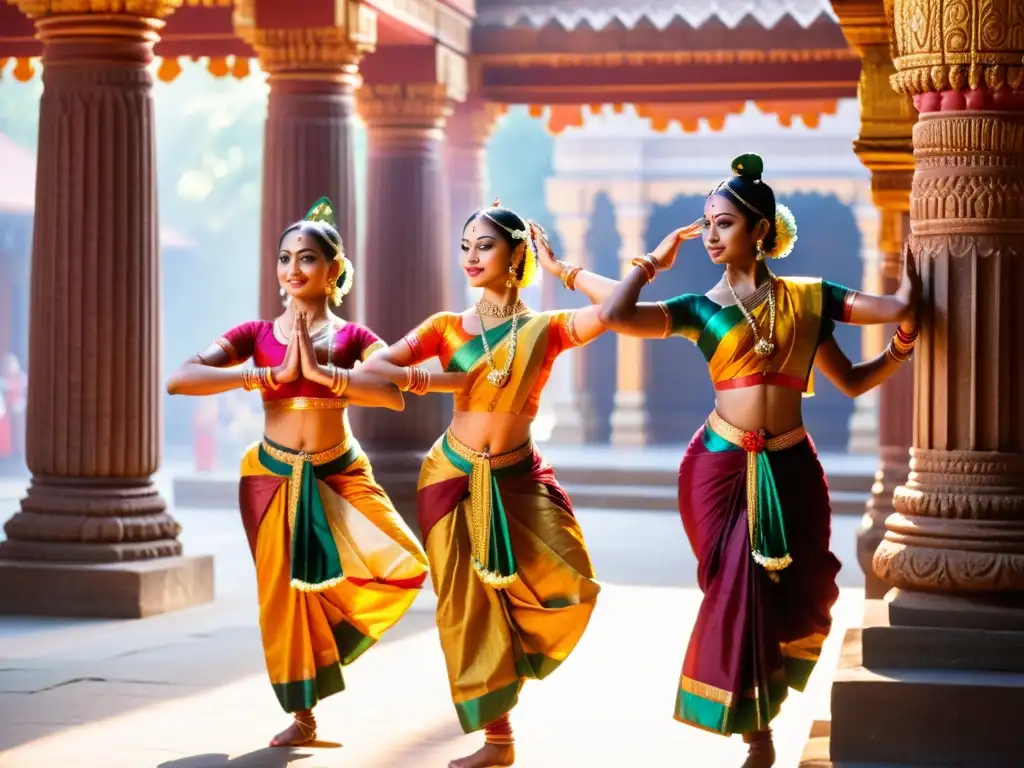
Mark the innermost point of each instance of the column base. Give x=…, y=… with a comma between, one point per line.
x=892, y=472
x=574, y=421
x=629, y=420
x=945, y=715
x=105, y=591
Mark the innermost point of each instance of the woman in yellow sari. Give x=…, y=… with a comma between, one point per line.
x=335, y=564
x=514, y=582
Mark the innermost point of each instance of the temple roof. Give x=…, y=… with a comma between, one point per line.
x=597, y=14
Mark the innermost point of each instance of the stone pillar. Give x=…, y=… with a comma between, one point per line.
x=629, y=416
x=406, y=241
x=884, y=146
x=93, y=537
x=572, y=402
x=465, y=158
x=864, y=420
x=954, y=548
x=311, y=55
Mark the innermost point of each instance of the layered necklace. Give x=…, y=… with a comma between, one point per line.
x=499, y=378
x=764, y=347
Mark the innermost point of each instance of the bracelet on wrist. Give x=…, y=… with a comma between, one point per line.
x=419, y=381
x=255, y=378
x=648, y=265
x=901, y=345
x=569, y=274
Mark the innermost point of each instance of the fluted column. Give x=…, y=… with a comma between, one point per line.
x=958, y=531
x=465, y=156
x=312, y=62
x=570, y=391
x=629, y=415
x=884, y=146
x=407, y=240
x=94, y=419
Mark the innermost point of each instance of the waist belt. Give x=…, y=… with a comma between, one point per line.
x=492, y=556
x=768, y=545
x=315, y=561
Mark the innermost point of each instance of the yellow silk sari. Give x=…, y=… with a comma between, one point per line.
x=514, y=581
x=336, y=566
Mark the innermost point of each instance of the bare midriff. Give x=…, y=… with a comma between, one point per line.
x=767, y=407
x=491, y=433
x=307, y=431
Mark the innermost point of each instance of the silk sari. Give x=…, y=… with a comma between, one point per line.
x=336, y=566
x=756, y=511
x=514, y=581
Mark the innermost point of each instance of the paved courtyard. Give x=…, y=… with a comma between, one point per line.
x=188, y=690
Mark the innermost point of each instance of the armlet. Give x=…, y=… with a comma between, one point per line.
x=668, y=319
x=375, y=347
x=570, y=330
x=226, y=347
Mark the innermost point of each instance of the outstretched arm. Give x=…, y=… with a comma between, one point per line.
x=215, y=369
x=854, y=379
x=399, y=362
x=871, y=309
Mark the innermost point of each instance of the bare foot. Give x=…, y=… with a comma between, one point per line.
x=488, y=756
x=760, y=754
x=301, y=731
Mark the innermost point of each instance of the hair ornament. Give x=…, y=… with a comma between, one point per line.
x=785, y=232
x=322, y=210
x=749, y=166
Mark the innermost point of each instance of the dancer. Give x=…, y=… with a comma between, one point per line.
x=335, y=564
x=752, y=494
x=515, y=586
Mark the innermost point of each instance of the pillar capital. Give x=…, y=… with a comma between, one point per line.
x=402, y=105
x=153, y=9
x=325, y=38
x=472, y=123
x=942, y=46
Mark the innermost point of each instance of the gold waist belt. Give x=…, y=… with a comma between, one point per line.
x=306, y=404
x=768, y=545
x=492, y=554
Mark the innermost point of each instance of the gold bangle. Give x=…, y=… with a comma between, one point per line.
x=408, y=379
x=342, y=384
x=646, y=263
x=568, y=276
x=419, y=381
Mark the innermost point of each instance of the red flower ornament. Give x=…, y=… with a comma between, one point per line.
x=753, y=442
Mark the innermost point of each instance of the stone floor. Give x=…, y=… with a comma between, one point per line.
x=188, y=690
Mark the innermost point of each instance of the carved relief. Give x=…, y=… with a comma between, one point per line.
x=958, y=44
x=154, y=9
x=404, y=104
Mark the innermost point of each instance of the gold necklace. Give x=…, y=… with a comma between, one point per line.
x=765, y=347
x=485, y=308
x=496, y=378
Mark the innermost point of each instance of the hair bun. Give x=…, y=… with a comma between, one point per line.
x=749, y=166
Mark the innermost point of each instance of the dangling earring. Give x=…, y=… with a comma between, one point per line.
x=285, y=298
x=760, y=250
x=511, y=276
x=332, y=286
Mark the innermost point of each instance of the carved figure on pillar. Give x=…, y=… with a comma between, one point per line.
x=753, y=497
x=490, y=510
x=93, y=417
x=960, y=520
x=311, y=54
x=885, y=147
x=336, y=566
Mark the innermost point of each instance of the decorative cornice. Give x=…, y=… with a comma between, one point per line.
x=641, y=58
x=154, y=9
x=956, y=44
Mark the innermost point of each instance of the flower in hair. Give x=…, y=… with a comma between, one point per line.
x=785, y=233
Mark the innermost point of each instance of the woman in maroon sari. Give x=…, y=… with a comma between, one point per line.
x=752, y=494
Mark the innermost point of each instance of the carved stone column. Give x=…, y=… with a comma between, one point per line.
x=953, y=641
x=885, y=147
x=311, y=55
x=407, y=239
x=572, y=401
x=629, y=417
x=93, y=537
x=465, y=156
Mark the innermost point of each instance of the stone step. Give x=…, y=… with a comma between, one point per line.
x=942, y=717
x=221, y=491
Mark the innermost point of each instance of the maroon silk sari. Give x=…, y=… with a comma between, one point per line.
x=757, y=633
